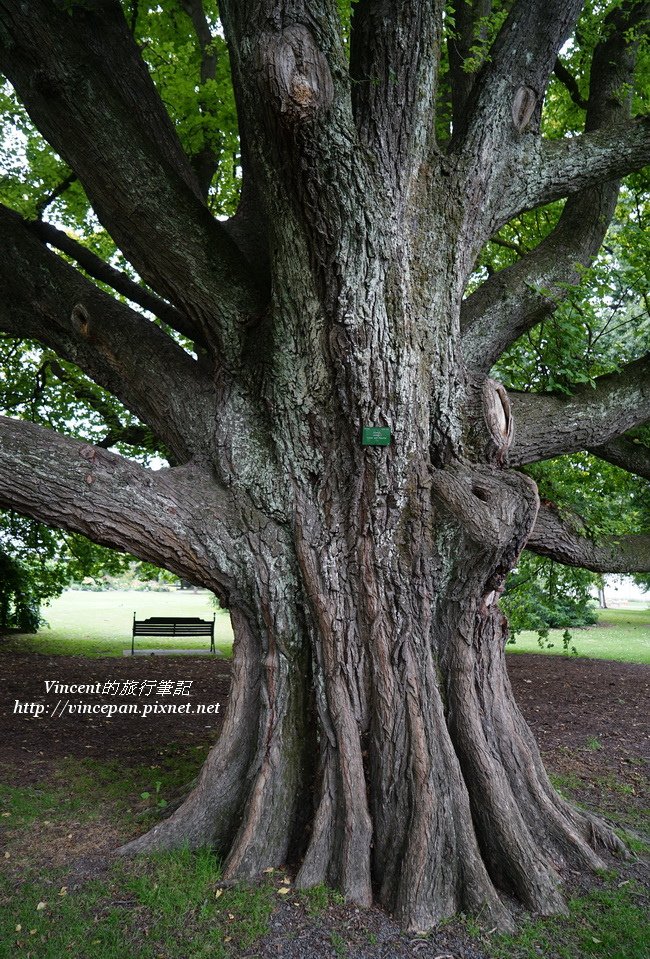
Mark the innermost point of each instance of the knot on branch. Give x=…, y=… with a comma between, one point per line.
x=297, y=73
x=80, y=318
x=495, y=509
x=499, y=421
x=523, y=107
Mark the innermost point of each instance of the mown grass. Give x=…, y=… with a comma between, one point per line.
x=620, y=634
x=21, y=806
x=86, y=788
x=140, y=792
x=609, y=923
x=168, y=906
x=173, y=906
x=99, y=624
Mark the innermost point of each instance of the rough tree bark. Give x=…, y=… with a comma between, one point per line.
x=371, y=731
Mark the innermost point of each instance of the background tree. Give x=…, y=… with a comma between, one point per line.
x=19, y=600
x=38, y=386
x=371, y=728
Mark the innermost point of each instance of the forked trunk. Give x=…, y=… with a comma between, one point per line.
x=372, y=738
x=371, y=735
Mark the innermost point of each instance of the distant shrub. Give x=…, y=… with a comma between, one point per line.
x=541, y=595
x=19, y=600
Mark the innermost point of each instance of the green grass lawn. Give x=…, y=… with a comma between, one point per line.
x=622, y=634
x=174, y=906
x=99, y=624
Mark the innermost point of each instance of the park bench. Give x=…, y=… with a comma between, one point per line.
x=173, y=626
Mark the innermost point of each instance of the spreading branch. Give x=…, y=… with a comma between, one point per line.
x=44, y=298
x=627, y=453
x=100, y=270
x=81, y=78
x=54, y=194
x=292, y=87
x=526, y=171
x=115, y=502
x=502, y=113
x=548, y=426
x=559, y=168
x=517, y=298
x=565, y=540
x=394, y=51
x=521, y=59
x=520, y=296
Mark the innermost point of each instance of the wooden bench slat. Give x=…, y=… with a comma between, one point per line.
x=184, y=620
x=173, y=626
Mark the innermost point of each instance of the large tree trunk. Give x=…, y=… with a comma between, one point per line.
x=371, y=733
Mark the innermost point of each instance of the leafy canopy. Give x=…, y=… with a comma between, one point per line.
x=603, y=323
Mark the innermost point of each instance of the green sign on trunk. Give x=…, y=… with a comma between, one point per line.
x=375, y=436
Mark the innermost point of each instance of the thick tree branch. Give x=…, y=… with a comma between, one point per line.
x=394, y=52
x=627, y=453
x=249, y=226
x=79, y=73
x=504, y=104
x=559, y=168
x=43, y=298
x=292, y=85
x=517, y=298
x=512, y=83
x=547, y=426
x=117, y=503
x=100, y=270
x=524, y=172
x=565, y=540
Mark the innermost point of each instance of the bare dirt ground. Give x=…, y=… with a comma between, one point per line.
x=35, y=743
x=590, y=718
